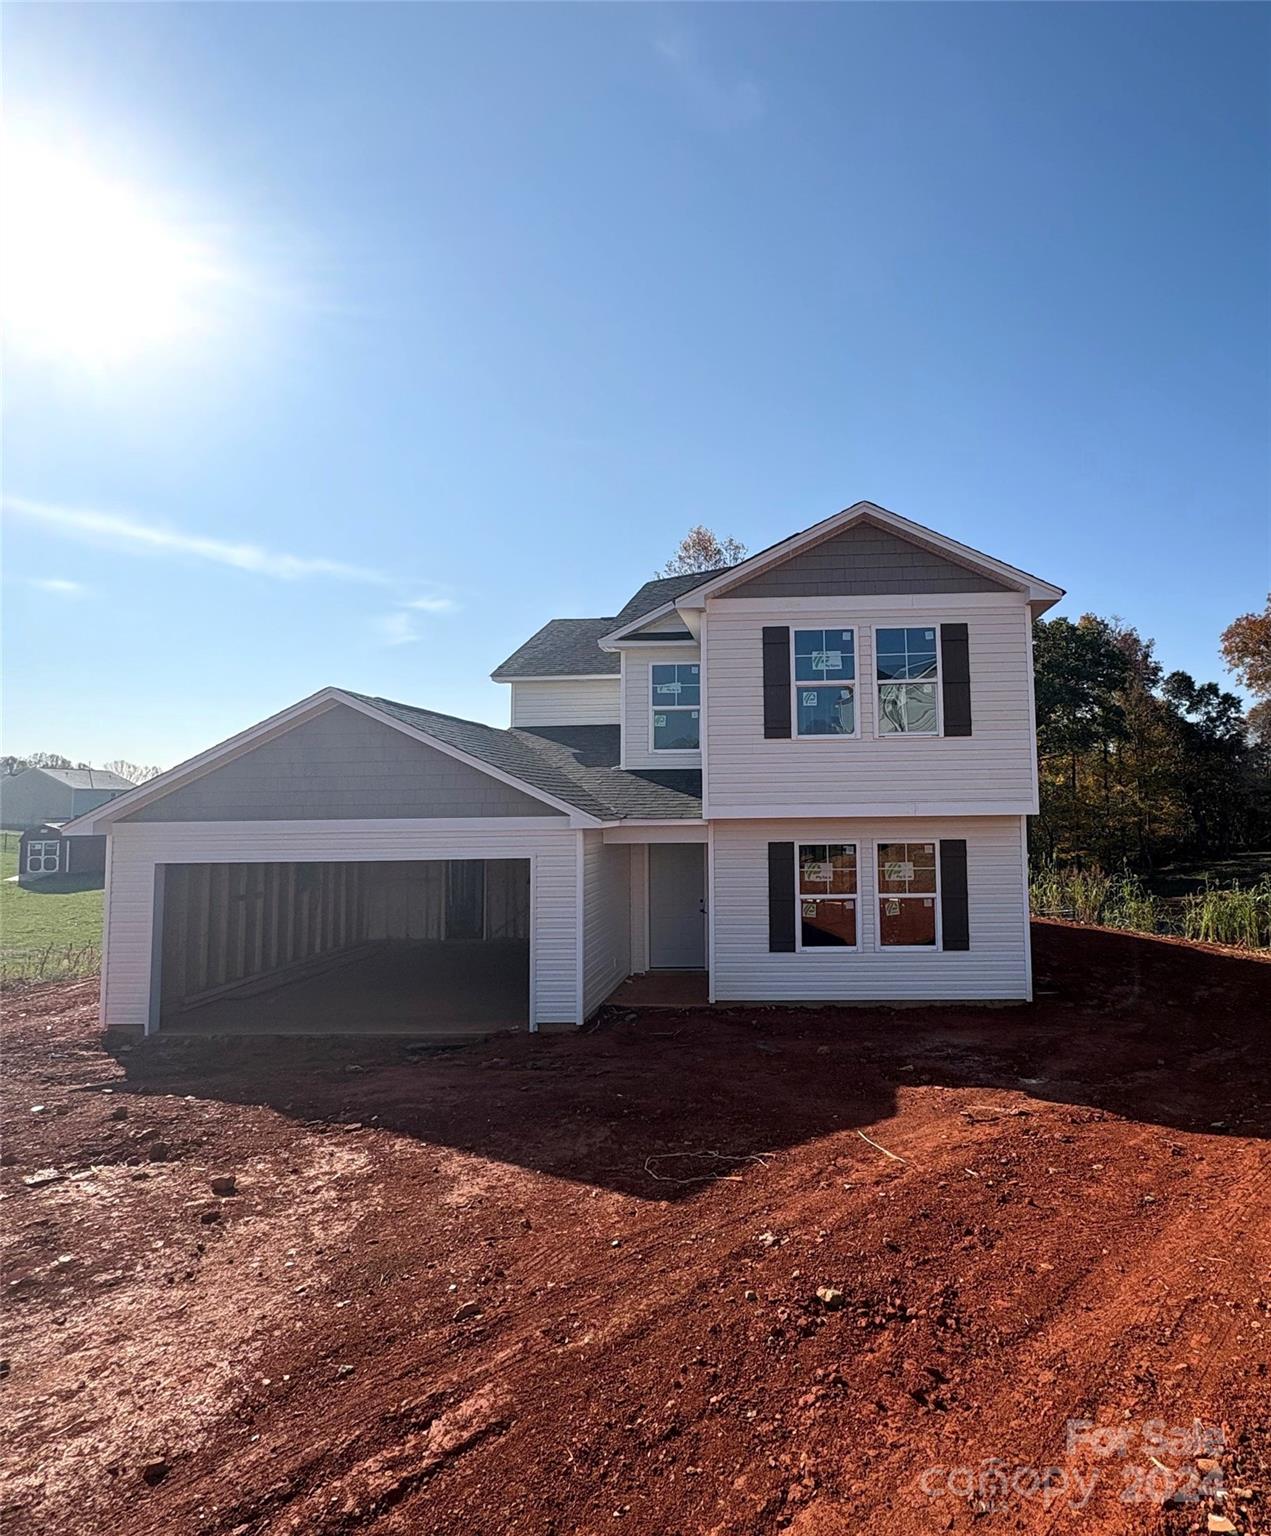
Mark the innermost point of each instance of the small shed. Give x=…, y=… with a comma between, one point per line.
x=44, y=852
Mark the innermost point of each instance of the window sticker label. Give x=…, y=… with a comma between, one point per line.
x=670, y=687
x=827, y=661
x=926, y=901
x=902, y=870
x=818, y=872
x=892, y=909
x=809, y=909
x=809, y=699
x=659, y=720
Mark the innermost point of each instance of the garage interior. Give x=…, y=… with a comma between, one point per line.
x=414, y=947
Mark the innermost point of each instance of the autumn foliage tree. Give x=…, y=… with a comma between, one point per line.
x=701, y=550
x=1246, y=649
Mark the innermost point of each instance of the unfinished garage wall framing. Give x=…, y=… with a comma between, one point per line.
x=403, y=943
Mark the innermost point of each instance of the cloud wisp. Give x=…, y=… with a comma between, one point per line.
x=397, y=628
x=116, y=531
x=57, y=586
x=432, y=604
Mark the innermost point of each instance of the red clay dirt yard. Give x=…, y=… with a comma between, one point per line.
x=733, y=1272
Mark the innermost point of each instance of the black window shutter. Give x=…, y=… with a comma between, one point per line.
x=955, y=673
x=780, y=898
x=776, y=682
x=955, y=913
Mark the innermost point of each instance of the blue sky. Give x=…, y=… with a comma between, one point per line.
x=491, y=303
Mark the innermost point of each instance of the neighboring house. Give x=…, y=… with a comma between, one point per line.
x=45, y=851
x=807, y=776
x=37, y=795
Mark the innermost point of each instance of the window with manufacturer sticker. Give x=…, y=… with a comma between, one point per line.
x=825, y=889
x=907, y=894
x=907, y=667
x=824, y=682
x=676, y=700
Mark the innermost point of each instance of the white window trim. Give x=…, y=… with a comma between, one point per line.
x=674, y=708
x=39, y=850
x=800, y=896
x=881, y=895
x=879, y=733
x=854, y=683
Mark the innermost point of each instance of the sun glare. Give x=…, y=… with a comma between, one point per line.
x=90, y=270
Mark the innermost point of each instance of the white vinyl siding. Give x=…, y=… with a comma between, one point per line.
x=995, y=967
x=136, y=849
x=607, y=917
x=992, y=768
x=572, y=701
x=637, y=720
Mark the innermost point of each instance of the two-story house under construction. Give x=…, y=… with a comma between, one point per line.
x=805, y=777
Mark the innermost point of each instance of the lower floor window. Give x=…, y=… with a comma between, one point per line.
x=826, y=893
x=907, y=895
x=43, y=858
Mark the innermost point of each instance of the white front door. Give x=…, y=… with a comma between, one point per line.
x=677, y=906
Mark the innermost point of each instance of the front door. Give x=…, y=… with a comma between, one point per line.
x=677, y=906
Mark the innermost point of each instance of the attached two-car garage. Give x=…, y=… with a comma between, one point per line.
x=344, y=867
x=408, y=945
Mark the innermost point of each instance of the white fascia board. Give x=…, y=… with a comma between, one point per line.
x=1041, y=592
x=662, y=611
x=276, y=725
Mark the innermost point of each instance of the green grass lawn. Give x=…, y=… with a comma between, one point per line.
x=50, y=930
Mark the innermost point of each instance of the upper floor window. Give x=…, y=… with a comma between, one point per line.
x=907, y=667
x=677, y=698
x=826, y=895
x=907, y=895
x=825, y=682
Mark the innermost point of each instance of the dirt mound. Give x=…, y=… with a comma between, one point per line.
x=729, y=1272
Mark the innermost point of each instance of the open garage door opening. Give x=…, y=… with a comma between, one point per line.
x=418, y=947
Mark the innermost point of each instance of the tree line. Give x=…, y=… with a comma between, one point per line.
x=1138, y=764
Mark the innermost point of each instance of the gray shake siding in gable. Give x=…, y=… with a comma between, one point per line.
x=862, y=561
x=342, y=766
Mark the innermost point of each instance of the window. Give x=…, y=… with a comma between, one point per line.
x=825, y=682
x=43, y=858
x=826, y=893
x=908, y=677
x=677, y=696
x=907, y=895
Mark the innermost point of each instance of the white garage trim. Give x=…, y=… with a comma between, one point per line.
x=138, y=851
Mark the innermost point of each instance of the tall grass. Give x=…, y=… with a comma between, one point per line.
x=1235, y=915
x=1239, y=915
x=1094, y=896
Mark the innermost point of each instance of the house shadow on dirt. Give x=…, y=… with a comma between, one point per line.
x=656, y=1106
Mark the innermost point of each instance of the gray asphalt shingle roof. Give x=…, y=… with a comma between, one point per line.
x=563, y=648
x=569, y=648
x=577, y=764
x=662, y=590
x=88, y=778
